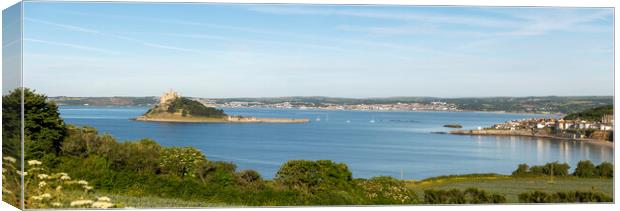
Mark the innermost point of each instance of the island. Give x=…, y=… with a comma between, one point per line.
x=173, y=107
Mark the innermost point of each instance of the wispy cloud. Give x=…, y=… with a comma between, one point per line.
x=70, y=45
x=501, y=24
x=469, y=20
x=310, y=40
x=111, y=35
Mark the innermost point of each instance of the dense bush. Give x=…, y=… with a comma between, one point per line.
x=556, y=169
x=585, y=168
x=456, y=196
x=605, y=169
x=549, y=169
x=181, y=161
x=314, y=176
x=386, y=190
x=563, y=197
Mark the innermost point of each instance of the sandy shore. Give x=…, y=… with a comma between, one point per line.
x=528, y=134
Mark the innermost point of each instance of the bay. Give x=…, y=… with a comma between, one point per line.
x=371, y=143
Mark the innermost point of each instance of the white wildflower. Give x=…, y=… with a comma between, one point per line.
x=4, y=190
x=10, y=159
x=81, y=203
x=59, y=188
x=82, y=182
x=3, y=170
x=46, y=195
x=38, y=198
x=34, y=162
x=57, y=204
x=42, y=184
x=104, y=198
x=20, y=173
x=102, y=204
x=86, y=187
x=43, y=176
x=65, y=177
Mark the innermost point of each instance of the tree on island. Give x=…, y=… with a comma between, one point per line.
x=173, y=103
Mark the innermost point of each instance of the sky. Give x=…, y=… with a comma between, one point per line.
x=358, y=51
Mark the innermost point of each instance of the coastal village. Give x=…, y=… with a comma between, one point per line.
x=574, y=129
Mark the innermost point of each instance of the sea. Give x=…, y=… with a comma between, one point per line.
x=371, y=143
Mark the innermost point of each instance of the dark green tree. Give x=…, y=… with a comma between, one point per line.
x=522, y=170
x=605, y=169
x=44, y=130
x=585, y=168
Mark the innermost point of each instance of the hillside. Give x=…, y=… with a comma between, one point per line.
x=544, y=104
x=593, y=114
x=173, y=105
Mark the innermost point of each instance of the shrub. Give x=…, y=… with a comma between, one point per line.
x=563, y=197
x=477, y=196
x=181, y=161
x=44, y=189
x=585, y=168
x=605, y=169
x=248, y=176
x=537, y=170
x=522, y=169
x=313, y=176
x=551, y=169
x=556, y=169
x=456, y=196
x=386, y=190
x=535, y=197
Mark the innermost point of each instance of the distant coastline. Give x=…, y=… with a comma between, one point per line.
x=219, y=120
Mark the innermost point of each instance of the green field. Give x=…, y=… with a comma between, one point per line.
x=511, y=187
x=508, y=186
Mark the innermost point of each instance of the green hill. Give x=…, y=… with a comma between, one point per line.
x=593, y=114
x=185, y=107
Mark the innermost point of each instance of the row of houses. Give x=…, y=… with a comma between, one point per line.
x=605, y=124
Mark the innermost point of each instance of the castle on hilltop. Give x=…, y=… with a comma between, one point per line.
x=167, y=96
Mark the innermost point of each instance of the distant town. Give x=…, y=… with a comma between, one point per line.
x=591, y=124
x=432, y=106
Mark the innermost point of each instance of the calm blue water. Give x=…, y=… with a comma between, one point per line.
x=395, y=141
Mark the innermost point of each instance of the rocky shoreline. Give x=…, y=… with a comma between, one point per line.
x=495, y=132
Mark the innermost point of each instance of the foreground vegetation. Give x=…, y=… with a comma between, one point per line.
x=143, y=172
x=511, y=186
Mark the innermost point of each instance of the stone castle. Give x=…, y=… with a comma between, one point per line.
x=167, y=96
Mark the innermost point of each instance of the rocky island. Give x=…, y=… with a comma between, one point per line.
x=174, y=108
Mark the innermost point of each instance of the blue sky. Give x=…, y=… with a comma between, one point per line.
x=249, y=50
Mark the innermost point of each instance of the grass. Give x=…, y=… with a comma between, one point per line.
x=506, y=185
x=511, y=187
